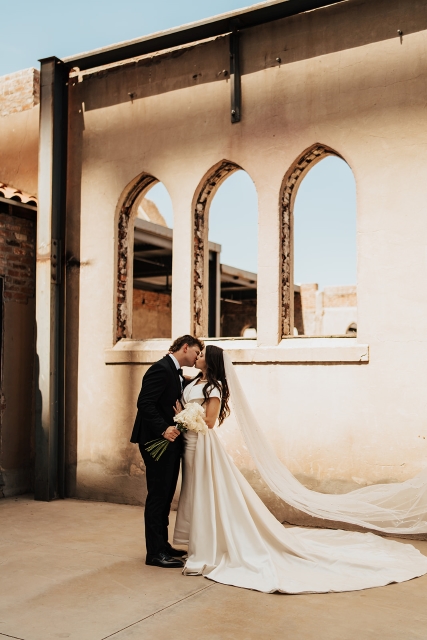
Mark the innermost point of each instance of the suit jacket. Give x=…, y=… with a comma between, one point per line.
x=161, y=388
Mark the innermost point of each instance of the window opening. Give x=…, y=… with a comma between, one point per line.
x=233, y=254
x=324, y=251
x=152, y=264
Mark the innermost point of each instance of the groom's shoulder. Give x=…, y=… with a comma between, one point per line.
x=160, y=365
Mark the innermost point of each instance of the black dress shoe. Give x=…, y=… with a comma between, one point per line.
x=164, y=560
x=176, y=553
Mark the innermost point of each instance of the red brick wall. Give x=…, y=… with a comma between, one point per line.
x=17, y=257
x=151, y=315
x=235, y=317
x=17, y=412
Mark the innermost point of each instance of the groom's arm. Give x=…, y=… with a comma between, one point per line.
x=153, y=385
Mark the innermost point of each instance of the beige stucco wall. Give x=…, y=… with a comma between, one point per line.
x=347, y=81
x=19, y=139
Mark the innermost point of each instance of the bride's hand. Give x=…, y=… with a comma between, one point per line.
x=178, y=407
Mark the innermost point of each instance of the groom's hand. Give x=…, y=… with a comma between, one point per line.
x=178, y=407
x=171, y=434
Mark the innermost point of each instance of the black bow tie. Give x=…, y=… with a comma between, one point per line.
x=180, y=373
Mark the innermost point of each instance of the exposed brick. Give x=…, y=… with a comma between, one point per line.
x=18, y=273
x=12, y=224
x=16, y=296
x=19, y=91
x=17, y=261
x=28, y=291
x=17, y=265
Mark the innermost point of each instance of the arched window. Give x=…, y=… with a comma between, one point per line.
x=225, y=260
x=233, y=221
x=319, y=246
x=144, y=260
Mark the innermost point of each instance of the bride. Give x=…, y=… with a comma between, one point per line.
x=234, y=539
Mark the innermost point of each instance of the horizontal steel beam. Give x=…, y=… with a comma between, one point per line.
x=196, y=31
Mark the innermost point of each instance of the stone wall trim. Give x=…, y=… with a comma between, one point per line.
x=289, y=351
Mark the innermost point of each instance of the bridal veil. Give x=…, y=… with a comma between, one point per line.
x=399, y=508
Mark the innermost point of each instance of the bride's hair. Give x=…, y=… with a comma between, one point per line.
x=216, y=379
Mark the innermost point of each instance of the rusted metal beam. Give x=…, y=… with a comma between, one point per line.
x=235, y=77
x=50, y=297
x=196, y=31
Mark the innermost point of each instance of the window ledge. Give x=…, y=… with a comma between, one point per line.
x=243, y=351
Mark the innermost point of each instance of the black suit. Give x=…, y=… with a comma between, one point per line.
x=161, y=388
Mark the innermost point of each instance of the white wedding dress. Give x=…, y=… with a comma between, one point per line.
x=234, y=539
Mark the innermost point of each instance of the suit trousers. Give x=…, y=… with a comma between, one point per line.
x=162, y=477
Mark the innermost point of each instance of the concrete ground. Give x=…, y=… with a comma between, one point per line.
x=74, y=569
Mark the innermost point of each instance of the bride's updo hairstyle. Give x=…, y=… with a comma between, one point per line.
x=215, y=376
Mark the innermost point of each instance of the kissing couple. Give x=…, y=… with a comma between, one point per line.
x=232, y=537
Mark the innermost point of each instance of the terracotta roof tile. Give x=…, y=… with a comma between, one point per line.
x=15, y=194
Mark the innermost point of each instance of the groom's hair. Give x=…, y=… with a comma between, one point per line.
x=190, y=340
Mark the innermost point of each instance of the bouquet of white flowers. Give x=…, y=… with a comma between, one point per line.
x=192, y=418
x=189, y=419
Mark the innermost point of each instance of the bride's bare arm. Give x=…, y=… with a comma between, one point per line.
x=212, y=407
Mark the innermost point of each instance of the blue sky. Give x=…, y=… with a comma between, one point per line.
x=33, y=30
x=325, y=233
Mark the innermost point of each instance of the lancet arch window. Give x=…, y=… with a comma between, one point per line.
x=205, y=194
x=136, y=211
x=291, y=296
x=225, y=254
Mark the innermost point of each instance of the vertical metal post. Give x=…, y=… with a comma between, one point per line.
x=235, y=79
x=218, y=296
x=214, y=294
x=49, y=463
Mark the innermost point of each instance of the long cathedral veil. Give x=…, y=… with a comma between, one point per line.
x=391, y=508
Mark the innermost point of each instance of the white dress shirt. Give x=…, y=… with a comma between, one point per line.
x=177, y=365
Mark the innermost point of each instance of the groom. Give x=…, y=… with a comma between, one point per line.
x=161, y=390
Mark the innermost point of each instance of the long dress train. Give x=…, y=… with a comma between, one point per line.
x=396, y=507
x=234, y=539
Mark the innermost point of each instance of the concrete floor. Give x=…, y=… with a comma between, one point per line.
x=74, y=569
